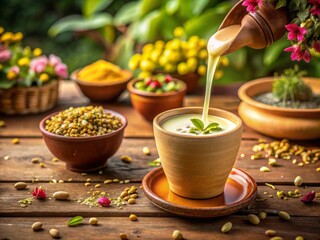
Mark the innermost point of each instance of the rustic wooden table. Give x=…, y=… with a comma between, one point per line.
x=153, y=223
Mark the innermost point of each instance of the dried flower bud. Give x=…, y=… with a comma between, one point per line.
x=308, y=198
x=104, y=202
x=39, y=193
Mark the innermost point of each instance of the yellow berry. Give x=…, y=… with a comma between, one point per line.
x=144, y=75
x=175, y=44
x=134, y=62
x=192, y=64
x=17, y=37
x=23, y=62
x=154, y=56
x=191, y=53
x=183, y=68
x=159, y=44
x=202, y=43
x=7, y=36
x=1, y=30
x=147, y=65
x=44, y=77
x=174, y=56
x=218, y=74
x=202, y=69
x=147, y=48
x=203, y=54
x=163, y=60
x=37, y=52
x=178, y=32
x=169, y=68
x=194, y=38
x=224, y=61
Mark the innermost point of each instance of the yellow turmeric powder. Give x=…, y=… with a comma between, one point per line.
x=102, y=71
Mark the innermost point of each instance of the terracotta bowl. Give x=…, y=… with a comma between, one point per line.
x=278, y=122
x=84, y=154
x=102, y=92
x=190, y=79
x=150, y=104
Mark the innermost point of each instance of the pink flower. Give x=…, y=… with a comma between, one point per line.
x=308, y=198
x=61, y=70
x=39, y=193
x=168, y=78
x=298, y=54
x=5, y=54
x=252, y=5
x=296, y=32
x=104, y=202
x=54, y=60
x=315, y=10
x=316, y=45
x=39, y=64
x=15, y=69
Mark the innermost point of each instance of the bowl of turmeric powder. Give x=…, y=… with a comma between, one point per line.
x=102, y=81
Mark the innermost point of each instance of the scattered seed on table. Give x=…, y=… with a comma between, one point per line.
x=177, y=235
x=115, y=180
x=83, y=174
x=242, y=155
x=41, y=165
x=133, y=217
x=6, y=157
x=54, y=159
x=264, y=169
x=131, y=201
x=226, y=227
x=2, y=123
x=54, y=233
x=36, y=226
x=298, y=181
x=15, y=140
x=123, y=236
x=88, y=180
x=270, y=233
x=93, y=221
x=107, y=181
x=300, y=164
x=61, y=195
x=60, y=181
x=20, y=185
x=299, y=238
x=87, y=184
x=126, y=181
x=262, y=215
x=272, y=162
x=318, y=169
x=97, y=185
x=35, y=160
x=146, y=151
x=276, y=238
x=253, y=219
x=126, y=159
x=100, y=172
x=284, y=215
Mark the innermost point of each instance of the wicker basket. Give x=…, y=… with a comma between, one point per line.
x=29, y=100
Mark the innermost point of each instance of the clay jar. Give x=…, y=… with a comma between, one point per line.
x=197, y=166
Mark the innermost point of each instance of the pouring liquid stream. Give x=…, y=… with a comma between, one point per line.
x=219, y=43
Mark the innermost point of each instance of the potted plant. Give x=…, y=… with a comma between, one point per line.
x=182, y=58
x=155, y=94
x=28, y=79
x=286, y=106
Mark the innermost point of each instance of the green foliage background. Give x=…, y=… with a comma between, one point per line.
x=91, y=29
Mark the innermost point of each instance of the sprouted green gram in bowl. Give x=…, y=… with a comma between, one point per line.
x=158, y=84
x=83, y=122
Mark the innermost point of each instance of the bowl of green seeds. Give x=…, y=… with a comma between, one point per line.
x=83, y=137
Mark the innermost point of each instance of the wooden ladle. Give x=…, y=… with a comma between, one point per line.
x=259, y=29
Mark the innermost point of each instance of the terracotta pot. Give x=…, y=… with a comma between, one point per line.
x=150, y=104
x=26, y=100
x=197, y=166
x=191, y=80
x=102, y=92
x=279, y=122
x=83, y=154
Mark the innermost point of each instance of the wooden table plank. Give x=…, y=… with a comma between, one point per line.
x=9, y=198
x=160, y=228
x=20, y=156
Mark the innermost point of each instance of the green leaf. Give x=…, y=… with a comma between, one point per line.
x=75, y=221
x=197, y=123
x=303, y=14
x=273, y=52
x=126, y=45
x=281, y=3
x=90, y=7
x=172, y=6
x=148, y=5
x=127, y=13
x=211, y=126
x=77, y=23
x=5, y=84
x=207, y=23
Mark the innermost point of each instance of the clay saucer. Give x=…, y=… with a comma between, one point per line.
x=239, y=192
